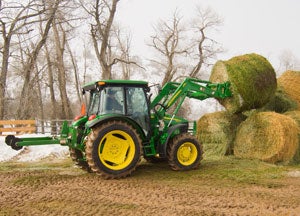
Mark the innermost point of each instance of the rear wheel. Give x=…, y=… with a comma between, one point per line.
x=77, y=157
x=184, y=152
x=113, y=149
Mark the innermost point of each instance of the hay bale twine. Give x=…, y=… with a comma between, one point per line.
x=253, y=81
x=289, y=81
x=216, y=132
x=267, y=136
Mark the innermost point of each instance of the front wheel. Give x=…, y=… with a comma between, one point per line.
x=184, y=152
x=113, y=149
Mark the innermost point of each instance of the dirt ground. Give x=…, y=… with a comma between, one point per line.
x=62, y=189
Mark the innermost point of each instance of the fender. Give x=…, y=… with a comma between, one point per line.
x=117, y=117
x=183, y=127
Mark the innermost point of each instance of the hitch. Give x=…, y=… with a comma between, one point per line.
x=17, y=143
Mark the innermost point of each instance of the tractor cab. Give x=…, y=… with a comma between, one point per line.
x=118, y=98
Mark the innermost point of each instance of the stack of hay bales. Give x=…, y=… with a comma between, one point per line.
x=217, y=132
x=253, y=83
x=265, y=134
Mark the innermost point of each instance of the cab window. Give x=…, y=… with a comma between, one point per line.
x=137, y=106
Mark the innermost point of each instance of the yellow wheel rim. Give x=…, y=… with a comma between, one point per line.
x=116, y=150
x=187, y=154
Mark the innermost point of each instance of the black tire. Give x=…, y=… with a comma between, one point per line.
x=77, y=156
x=11, y=140
x=184, y=152
x=113, y=149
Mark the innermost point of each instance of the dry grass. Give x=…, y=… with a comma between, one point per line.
x=216, y=131
x=267, y=136
x=253, y=81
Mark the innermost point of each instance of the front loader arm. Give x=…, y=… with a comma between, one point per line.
x=192, y=88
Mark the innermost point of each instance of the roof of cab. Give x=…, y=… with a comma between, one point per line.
x=95, y=84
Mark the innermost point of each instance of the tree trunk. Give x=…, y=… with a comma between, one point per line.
x=60, y=47
x=3, y=75
x=76, y=75
x=104, y=30
x=40, y=99
x=52, y=93
x=23, y=111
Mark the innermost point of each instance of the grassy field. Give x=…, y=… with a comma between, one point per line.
x=223, y=186
x=216, y=168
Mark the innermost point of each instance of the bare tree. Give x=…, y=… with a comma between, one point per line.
x=175, y=43
x=11, y=26
x=76, y=73
x=105, y=37
x=123, y=52
x=50, y=84
x=288, y=61
x=103, y=13
x=60, y=44
x=166, y=42
x=206, y=47
x=25, y=99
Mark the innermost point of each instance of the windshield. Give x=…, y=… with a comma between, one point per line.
x=112, y=100
x=108, y=100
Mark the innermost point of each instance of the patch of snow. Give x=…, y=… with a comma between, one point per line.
x=31, y=153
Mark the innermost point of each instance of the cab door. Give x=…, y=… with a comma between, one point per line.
x=137, y=107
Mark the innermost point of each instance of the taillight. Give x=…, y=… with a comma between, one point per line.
x=78, y=117
x=92, y=117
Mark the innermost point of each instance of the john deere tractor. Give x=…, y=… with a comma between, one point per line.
x=122, y=124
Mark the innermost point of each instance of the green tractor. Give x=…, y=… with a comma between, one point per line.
x=122, y=124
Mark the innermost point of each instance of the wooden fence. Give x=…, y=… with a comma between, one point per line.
x=39, y=126
x=17, y=127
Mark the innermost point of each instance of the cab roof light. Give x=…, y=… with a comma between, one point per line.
x=101, y=83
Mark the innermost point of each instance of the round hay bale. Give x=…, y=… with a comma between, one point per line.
x=216, y=132
x=280, y=103
x=296, y=116
x=252, y=78
x=267, y=136
x=289, y=81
